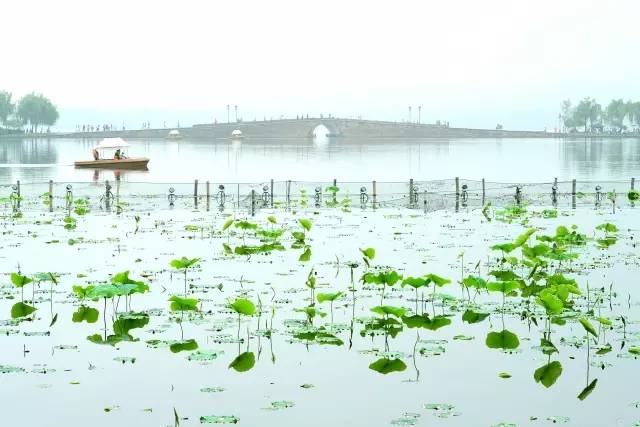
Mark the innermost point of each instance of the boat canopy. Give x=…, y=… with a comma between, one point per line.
x=112, y=143
x=236, y=132
x=174, y=132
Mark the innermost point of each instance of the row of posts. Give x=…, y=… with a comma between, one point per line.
x=16, y=196
x=266, y=199
x=461, y=194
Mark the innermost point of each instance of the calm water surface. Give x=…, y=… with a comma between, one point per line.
x=65, y=370
x=523, y=160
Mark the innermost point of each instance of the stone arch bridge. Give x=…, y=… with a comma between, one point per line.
x=351, y=128
x=304, y=128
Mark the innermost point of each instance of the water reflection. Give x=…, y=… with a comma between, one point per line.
x=324, y=158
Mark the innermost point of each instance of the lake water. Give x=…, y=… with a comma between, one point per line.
x=506, y=160
x=448, y=358
x=519, y=344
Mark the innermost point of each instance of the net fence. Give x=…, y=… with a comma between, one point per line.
x=414, y=194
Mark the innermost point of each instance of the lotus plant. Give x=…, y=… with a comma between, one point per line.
x=184, y=264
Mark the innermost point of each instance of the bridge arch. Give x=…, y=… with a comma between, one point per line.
x=331, y=126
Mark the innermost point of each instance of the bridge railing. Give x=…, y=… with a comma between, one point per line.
x=455, y=194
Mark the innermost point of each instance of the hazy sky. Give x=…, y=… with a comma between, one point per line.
x=474, y=63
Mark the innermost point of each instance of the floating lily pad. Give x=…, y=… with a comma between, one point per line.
x=280, y=404
x=205, y=355
x=219, y=419
x=6, y=369
x=212, y=390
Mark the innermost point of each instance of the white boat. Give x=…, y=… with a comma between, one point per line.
x=237, y=134
x=103, y=157
x=174, y=134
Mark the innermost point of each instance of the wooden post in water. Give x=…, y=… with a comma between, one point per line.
x=18, y=192
x=573, y=194
x=50, y=195
x=195, y=193
x=375, y=195
x=238, y=199
x=253, y=202
x=208, y=190
x=107, y=191
x=457, y=193
x=288, y=192
x=410, y=192
x=425, y=201
x=272, y=193
x=633, y=183
x=335, y=184
x=484, y=193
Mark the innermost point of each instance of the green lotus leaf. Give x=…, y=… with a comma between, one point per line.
x=21, y=309
x=423, y=321
x=323, y=297
x=186, y=345
x=183, y=304
x=588, y=326
x=305, y=223
x=369, y=253
x=386, y=366
x=505, y=340
x=184, y=263
x=85, y=314
x=306, y=255
x=19, y=281
x=548, y=374
x=471, y=316
x=386, y=310
x=474, y=282
x=244, y=362
x=243, y=306
x=588, y=389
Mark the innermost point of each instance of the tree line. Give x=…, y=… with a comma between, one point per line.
x=589, y=116
x=32, y=112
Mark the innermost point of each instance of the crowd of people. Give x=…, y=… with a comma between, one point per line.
x=109, y=127
x=97, y=128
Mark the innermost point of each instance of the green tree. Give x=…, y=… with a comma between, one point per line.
x=595, y=115
x=588, y=113
x=633, y=113
x=36, y=110
x=568, y=115
x=615, y=114
x=6, y=106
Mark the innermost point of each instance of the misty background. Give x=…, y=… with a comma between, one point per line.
x=474, y=64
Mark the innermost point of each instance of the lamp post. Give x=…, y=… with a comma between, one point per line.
x=236, y=108
x=409, y=114
x=419, y=111
x=227, y=113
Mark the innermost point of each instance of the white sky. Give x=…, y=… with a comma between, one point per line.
x=472, y=62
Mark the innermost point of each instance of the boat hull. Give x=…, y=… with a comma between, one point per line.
x=139, y=163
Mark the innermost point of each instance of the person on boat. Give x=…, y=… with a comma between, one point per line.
x=118, y=155
x=96, y=155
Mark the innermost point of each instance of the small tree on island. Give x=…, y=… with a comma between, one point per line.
x=36, y=110
x=6, y=106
